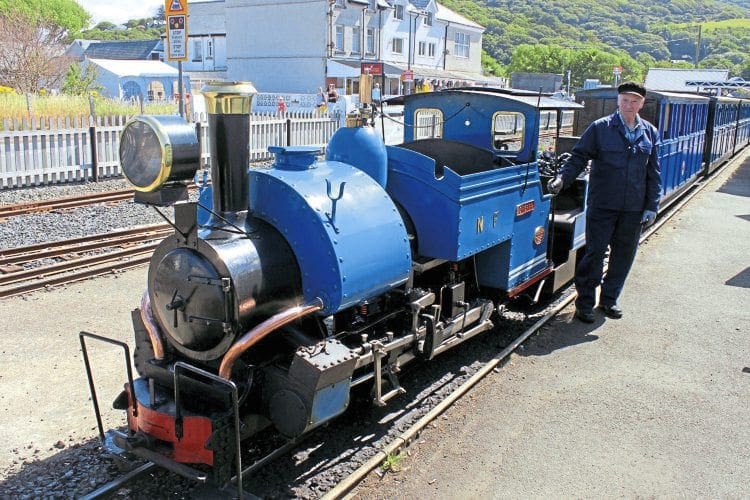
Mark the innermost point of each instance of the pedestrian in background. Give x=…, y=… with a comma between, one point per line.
x=376, y=93
x=332, y=94
x=280, y=105
x=623, y=196
x=321, y=101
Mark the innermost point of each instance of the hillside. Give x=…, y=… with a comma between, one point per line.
x=644, y=32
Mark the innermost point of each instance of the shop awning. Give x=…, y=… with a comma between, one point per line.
x=351, y=69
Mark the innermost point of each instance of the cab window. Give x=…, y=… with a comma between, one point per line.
x=428, y=123
x=508, y=129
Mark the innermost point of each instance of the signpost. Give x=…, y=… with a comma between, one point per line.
x=176, y=18
x=176, y=14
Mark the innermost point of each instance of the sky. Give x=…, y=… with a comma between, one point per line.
x=119, y=11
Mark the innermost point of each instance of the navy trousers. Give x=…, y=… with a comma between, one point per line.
x=620, y=232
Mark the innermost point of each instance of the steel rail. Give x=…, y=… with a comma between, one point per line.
x=98, y=265
x=64, y=203
x=395, y=446
x=83, y=244
x=70, y=202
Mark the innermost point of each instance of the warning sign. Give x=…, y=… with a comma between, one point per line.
x=176, y=6
x=176, y=14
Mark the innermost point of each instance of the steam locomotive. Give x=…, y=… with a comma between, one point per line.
x=283, y=289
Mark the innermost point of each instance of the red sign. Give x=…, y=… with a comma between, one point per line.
x=372, y=69
x=407, y=76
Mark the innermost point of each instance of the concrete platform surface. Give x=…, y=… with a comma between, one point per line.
x=656, y=404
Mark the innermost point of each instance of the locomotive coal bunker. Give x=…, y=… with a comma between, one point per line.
x=284, y=288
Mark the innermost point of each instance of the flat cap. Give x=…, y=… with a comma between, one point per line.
x=632, y=88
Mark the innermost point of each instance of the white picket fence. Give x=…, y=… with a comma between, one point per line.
x=55, y=150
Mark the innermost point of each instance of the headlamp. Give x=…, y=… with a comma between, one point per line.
x=158, y=150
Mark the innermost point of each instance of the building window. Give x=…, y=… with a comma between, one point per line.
x=428, y=19
x=398, y=12
x=398, y=45
x=209, y=49
x=356, y=40
x=373, y=5
x=341, y=4
x=197, y=50
x=339, y=38
x=370, y=40
x=461, y=45
x=431, y=50
x=422, y=48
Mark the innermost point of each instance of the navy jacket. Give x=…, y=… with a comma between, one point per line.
x=623, y=176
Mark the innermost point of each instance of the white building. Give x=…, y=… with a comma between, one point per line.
x=207, y=40
x=296, y=46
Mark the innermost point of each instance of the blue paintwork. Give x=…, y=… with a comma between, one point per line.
x=360, y=253
x=449, y=212
x=743, y=125
x=460, y=216
x=682, y=127
x=329, y=402
x=361, y=147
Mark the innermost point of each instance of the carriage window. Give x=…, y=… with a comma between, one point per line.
x=508, y=131
x=428, y=123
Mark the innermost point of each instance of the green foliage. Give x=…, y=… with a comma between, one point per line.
x=392, y=463
x=80, y=81
x=17, y=106
x=634, y=34
x=64, y=13
x=136, y=33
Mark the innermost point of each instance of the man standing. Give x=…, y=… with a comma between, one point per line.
x=624, y=188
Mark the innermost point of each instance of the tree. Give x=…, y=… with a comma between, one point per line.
x=31, y=52
x=67, y=15
x=80, y=81
x=105, y=26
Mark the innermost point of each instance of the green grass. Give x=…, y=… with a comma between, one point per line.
x=709, y=26
x=392, y=463
x=19, y=107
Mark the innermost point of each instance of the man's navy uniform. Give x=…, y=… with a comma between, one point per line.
x=624, y=186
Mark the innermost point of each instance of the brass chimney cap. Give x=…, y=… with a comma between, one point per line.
x=228, y=98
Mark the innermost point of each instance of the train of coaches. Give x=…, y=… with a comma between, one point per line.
x=285, y=289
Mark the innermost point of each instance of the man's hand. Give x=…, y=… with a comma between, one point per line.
x=555, y=185
x=649, y=216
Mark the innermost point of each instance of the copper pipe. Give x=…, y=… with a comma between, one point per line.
x=262, y=330
x=151, y=327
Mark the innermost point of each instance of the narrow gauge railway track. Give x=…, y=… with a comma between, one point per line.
x=76, y=259
x=64, y=203
x=69, y=202
x=368, y=448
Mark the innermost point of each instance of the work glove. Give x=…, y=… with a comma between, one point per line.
x=649, y=216
x=554, y=185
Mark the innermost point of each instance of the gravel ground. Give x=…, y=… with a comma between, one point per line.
x=70, y=223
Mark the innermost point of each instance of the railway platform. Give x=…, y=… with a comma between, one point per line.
x=651, y=405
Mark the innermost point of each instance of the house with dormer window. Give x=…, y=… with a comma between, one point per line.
x=302, y=45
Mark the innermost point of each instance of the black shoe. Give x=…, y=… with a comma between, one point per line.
x=613, y=311
x=585, y=315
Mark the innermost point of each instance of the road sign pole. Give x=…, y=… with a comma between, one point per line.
x=180, y=89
